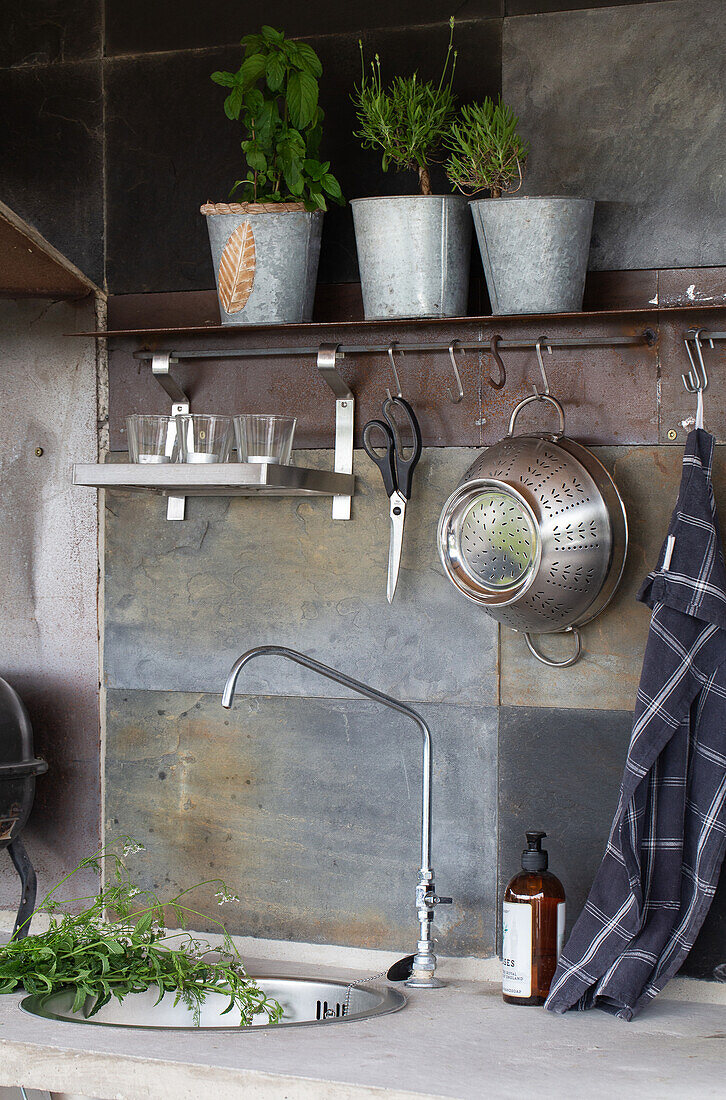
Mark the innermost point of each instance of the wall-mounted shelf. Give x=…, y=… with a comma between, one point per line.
x=323, y=328
x=230, y=479
x=177, y=481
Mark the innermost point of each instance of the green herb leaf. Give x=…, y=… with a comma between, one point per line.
x=275, y=72
x=227, y=80
x=309, y=59
x=302, y=98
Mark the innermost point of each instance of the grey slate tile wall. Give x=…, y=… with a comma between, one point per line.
x=299, y=796
x=309, y=809
x=183, y=600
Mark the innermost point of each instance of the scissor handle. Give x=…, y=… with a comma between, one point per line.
x=404, y=467
x=384, y=461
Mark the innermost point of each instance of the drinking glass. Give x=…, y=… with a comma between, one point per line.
x=151, y=438
x=204, y=438
x=264, y=438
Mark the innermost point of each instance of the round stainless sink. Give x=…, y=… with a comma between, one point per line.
x=304, y=1001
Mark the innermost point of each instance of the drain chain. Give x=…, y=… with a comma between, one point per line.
x=360, y=981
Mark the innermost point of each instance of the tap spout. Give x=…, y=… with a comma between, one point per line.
x=424, y=963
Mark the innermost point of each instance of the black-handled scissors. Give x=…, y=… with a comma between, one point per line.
x=396, y=470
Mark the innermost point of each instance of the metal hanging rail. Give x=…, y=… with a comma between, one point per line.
x=645, y=339
x=704, y=335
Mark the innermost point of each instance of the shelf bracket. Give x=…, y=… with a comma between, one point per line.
x=160, y=363
x=328, y=356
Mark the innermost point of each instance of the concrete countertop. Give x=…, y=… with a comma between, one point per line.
x=461, y=1041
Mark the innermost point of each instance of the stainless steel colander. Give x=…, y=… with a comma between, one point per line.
x=536, y=532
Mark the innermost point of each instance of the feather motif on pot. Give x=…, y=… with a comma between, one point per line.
x=237, y=269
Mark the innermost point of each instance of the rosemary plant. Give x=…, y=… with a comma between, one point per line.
x=407, y=120
x=486, y=152
x=119, y=944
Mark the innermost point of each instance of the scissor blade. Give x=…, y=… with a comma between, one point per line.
x=395, y=546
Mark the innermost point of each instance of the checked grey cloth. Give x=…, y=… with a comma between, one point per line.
x=661, y=865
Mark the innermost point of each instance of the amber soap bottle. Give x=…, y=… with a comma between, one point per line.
x=534, y=927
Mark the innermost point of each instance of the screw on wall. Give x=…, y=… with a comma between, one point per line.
x=38, y=452
x=672, y=434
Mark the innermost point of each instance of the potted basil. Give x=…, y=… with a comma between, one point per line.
x=413, y=250
x=534, y=250
x=266, y=244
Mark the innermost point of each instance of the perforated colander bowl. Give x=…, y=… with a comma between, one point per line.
x=536, y=532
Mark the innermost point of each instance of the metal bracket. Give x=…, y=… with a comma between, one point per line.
x=160, y=363
x=328, y=356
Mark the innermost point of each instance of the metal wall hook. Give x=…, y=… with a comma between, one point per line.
x=696, y=381
x=391, y=348
x=538, y=349
x=459, y=388
x=494, y=350
x=697, y=378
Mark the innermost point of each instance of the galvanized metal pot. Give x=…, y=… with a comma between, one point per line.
x=265, y=258
x=534, y=252
x=413, y=255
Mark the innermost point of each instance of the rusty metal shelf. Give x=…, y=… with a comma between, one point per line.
x=335, y=327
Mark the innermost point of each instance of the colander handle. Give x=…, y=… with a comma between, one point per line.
x=537, y=397
x=557, y=664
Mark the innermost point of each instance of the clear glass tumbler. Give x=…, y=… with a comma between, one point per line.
x=204, y=438
x=264, y=438
x=151, y=438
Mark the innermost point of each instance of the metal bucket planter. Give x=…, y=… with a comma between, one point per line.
x=265, y=258
x=413, y=255
x=534, y=252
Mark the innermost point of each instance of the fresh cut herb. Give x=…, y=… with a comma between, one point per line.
x=118, y=944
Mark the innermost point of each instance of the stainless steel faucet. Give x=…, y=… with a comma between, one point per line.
x=424, y=961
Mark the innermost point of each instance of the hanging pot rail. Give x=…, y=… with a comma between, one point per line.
x=644, y=339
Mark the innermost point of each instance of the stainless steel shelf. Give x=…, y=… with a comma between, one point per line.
x=233, y=479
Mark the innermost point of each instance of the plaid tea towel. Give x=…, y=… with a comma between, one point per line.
x=661, y=865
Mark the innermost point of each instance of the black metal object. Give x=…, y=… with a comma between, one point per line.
x=18, y=768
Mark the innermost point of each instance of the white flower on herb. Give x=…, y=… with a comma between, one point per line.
x=132, y=847
x=223, y=898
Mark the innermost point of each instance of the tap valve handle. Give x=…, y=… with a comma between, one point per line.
x=442, y=901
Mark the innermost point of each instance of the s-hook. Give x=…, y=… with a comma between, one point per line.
x=494, y=349
x=696, y=381
x=538, y=348
x=459, y=388
x=396, y=379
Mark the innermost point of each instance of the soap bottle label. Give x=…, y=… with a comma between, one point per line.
x=517, y=949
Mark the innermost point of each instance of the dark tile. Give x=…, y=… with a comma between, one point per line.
x=310, y=811
x=170, y=147
x=135, y=26
x=51, y=171
x=610, y=116
x=37, y=32
x=560, y=771
x=709, y=950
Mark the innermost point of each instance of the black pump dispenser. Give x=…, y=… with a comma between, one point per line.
x=534, y=857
